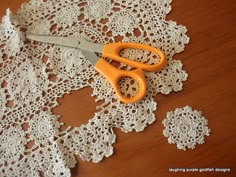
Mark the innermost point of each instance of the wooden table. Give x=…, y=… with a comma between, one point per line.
x=210, y=61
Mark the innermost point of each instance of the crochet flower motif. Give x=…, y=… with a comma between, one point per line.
x=123, y=22
x=12, y=141
x=67, y=62
x=40, y=27
x=27, y=83
x=185, y=127
x=70, y=57
x=98, y=9
x=67, y=16
x=44, y=127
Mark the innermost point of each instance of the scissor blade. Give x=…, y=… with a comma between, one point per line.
x=92, y=57
x=75, y=42
x=64, y=41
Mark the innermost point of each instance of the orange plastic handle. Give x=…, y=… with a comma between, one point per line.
x=112, y=51
x=114, y=74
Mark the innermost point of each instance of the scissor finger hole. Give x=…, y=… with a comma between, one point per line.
x=128, y=86
x=139, y=55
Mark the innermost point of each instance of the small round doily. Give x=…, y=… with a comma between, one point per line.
x=185, y=127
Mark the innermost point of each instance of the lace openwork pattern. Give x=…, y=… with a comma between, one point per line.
x=28, y=94
x=185, y=127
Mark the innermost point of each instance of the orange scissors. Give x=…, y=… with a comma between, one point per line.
x=111, y=51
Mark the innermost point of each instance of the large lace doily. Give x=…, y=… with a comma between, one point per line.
x=28, y=94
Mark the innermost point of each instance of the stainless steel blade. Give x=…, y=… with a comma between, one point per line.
x=91, y=56
x=75, y=42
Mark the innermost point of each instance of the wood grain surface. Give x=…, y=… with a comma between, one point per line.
x=210, y=61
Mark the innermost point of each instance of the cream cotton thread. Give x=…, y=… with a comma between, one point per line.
x=185, y=127
x=34, y=97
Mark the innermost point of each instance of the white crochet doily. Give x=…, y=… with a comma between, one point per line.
x=185, y=127
x=28, y=94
